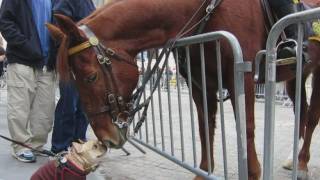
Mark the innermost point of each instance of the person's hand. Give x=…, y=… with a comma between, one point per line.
x=2, y=58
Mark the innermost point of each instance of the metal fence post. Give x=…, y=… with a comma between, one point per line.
x=274, y=34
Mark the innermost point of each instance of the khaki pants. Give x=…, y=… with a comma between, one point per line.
x=31, y=103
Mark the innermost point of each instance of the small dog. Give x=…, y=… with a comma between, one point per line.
x=79, y=161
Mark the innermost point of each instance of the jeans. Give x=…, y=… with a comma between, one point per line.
x=70, y=123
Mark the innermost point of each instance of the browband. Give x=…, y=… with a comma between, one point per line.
x=93, y=41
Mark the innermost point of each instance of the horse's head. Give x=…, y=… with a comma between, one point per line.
x=105, y=78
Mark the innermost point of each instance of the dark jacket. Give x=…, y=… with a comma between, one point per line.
x=18, y=28
x=75, y=9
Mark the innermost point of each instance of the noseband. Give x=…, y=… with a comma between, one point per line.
x=114, y=103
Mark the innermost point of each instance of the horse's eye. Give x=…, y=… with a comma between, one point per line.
x=91, y=78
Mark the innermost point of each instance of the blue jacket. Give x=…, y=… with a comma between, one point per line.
x=18, y=28
x=75, y=9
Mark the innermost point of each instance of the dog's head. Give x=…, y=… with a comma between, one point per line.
x=90, y=152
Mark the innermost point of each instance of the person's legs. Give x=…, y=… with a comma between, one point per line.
x=64, y=123
x=42, y=108
x=21, y=90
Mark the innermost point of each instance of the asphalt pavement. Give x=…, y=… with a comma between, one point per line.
x=138, y=166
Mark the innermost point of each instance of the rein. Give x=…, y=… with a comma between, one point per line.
x=115, y=105
x=166, y=51
x=44, y=152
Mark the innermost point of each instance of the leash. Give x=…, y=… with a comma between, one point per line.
x=61, y=162
x=45, y=152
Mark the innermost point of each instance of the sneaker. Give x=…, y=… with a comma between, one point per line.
x=24, y=156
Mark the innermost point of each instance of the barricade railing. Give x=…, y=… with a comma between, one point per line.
x=271, y=54
x=172, y=108
x=281, y=93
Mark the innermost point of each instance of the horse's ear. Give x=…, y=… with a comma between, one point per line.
x=55, y=32
x=67, y=25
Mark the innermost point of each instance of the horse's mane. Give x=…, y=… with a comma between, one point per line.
x=98, y=11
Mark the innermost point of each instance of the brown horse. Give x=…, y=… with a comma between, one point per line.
x=310, y=114
x=130, y=26
x=309, y=117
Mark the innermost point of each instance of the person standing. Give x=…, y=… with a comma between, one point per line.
x=70, y=122
x=30, y=73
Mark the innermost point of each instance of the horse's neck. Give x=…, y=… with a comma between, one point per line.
x=136, y=25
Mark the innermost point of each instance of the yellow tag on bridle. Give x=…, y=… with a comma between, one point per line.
x=296, y=1
x=316, y=31
x=316, y=28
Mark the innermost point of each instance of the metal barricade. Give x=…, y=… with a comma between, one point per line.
x=299, y=19
x=259, y=91
x=281, y=93
x=172, y=108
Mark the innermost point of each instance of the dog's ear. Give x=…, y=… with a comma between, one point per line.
x=77, y=147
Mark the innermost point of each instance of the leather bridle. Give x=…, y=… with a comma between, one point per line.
x=114, y=105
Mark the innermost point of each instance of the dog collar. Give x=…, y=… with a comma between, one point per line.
x=64, y=164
